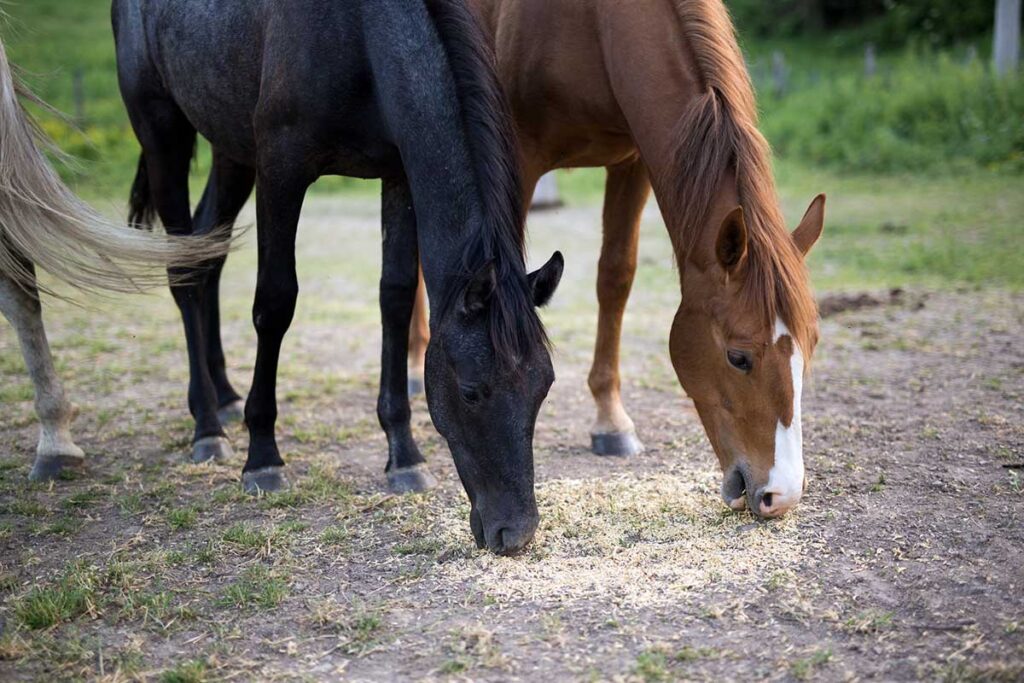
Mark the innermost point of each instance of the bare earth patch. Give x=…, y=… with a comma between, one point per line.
x=903, y=561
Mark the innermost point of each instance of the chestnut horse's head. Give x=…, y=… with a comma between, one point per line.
x=740, y=343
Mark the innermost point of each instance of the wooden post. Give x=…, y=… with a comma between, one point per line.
x=779, y=73
x=78, y=92
x=546, y=196
x=1006, y=48
x=870, y=60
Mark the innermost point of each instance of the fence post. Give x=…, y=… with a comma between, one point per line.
x=546, y=196
x=870, y=60
x=779, y=74
x=1006, y=48
x=78, y=92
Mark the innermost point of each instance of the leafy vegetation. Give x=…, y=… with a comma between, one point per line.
x=923, y=112
x=889, y=22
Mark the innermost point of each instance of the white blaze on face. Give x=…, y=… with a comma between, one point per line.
x=786, y=478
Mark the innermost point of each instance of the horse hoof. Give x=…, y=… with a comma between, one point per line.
x=265, y=480
x=415, y=479
x=616, y=443
x=232, y=412
x=49, y=467
x=212, y=448
x=415, y=386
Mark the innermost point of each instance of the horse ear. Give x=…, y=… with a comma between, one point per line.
x=731, y=245
x=477, y=295
x=809, y=230
x=544, y=281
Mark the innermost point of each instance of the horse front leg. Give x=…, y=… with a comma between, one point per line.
x=281, y=187
x=400, y=275
x=56, y=451
x=626, y=194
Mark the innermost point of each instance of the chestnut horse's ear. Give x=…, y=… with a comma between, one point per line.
x=809, y=230
x=731, y=246
x=477, y=296
x=544, y=281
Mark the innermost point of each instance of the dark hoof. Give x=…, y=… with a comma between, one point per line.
x=415, y=386
x=415, y=479
x=232, y=412
x=50, y=467
x=212, y=448
x=616, y=443
x=265, y=480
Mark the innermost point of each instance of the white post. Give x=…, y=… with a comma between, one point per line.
x=546, y=196
x=1006, y=50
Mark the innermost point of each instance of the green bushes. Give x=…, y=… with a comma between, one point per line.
x=889, y=23
x=922, y=113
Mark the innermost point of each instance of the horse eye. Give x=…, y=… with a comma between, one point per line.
x=470, y=395
x=740, y=360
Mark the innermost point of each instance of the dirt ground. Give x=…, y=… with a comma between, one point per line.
x=903, y=561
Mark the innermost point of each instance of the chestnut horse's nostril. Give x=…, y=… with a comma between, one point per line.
x=766, y=501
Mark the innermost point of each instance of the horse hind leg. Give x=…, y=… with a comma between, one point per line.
x=167, y=140
x=626, y=194
x=227, y=190
x=56, y=451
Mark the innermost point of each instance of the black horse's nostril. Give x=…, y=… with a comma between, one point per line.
x=509, y=541
x=766, y=500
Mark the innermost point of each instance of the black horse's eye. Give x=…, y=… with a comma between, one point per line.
x=470, y=395
x=740, y=360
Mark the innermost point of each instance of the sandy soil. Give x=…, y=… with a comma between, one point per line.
x=903, y=561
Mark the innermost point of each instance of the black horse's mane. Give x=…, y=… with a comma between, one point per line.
x=515, y=327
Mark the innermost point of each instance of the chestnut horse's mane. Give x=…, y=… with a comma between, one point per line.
x=719, y=133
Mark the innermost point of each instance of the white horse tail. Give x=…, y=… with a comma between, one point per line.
x=42, y=222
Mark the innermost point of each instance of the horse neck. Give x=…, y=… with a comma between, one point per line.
x=449, y=137
x=447, y=201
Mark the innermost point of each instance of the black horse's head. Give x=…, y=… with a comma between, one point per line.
x=487, y=372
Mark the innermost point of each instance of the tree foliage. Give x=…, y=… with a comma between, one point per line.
x=889, y=22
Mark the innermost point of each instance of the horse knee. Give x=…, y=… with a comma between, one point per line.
x=397, y=299
x=615, y=281
x=274, y=307
x=603, y=381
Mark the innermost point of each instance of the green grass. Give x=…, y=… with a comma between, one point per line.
x=258, y=586
x=45, y=606
x=183, y=518
x=194, y=671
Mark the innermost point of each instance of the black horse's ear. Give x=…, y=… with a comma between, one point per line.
x=544, y=282
x=478, y=293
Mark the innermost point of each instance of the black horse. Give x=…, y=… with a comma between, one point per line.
x=404, y=90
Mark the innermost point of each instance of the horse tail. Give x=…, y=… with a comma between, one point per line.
x=42, y=222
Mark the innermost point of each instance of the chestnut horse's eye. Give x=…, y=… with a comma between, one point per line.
x=740, y=360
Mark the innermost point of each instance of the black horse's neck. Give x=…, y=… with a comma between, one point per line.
x=460, y=157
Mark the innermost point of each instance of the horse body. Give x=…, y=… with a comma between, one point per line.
x=657, y=92
x=289, y=91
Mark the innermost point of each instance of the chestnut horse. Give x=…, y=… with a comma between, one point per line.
x=657, y=92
